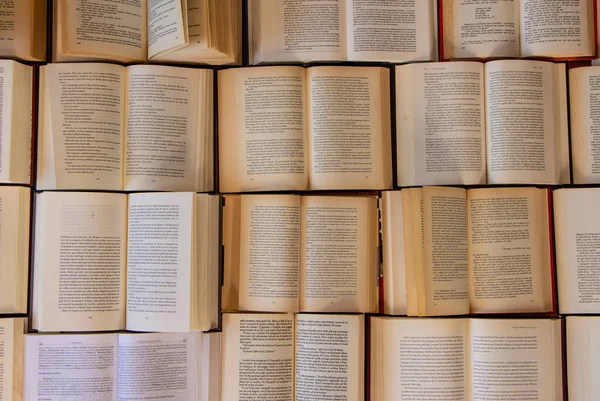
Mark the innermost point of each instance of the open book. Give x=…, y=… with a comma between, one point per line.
x=12, y=337
x=290, y=253
x=16, y=110
x=107, y=127
x=577, y=234
x=354, y=30
x=15, y=205
x=188, y=31
x=583, y=357
x=585, y=124
x=302, y=357
x=291, y=128
x=502, y=122
x=141, y=262
x=465, y=359
x=518, y=28
x=452, y=251
x=123, y=367
x=23, y=29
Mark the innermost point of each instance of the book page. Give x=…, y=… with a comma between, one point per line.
x=393, y=243
x=391, y=31
x=338, y=254
x=577, y=231
x=583, y=357
x=109, y=29
x=515, y=359
x=421, y=359
x=509, y=250
x=584, y=84
x=83, y=144
x=296, y=30
x=167, y=26
x=22, y=28
x=484, y=28
x=11, y=358
x=258, y=345
x=159, y=261
x=80, y=259
x=157, y=366
x=7, y=91
x=552, y=28
x=526, y=122
x=162, y=128
x=440, y=124
x=329, y=357
x=262, y=130
x=445, y=251
x=269, y=253
x=414, y=250
x=61, y=367
x=349, y=130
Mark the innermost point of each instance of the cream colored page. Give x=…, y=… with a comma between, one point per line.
x=71, y=367
x=347, y=134
x=583, y=355
x=161, y=128
x=257, y=345
x=83, y=270
x=441, y=127
x=111, y=29
x=288, y=31
x=522, y=122
x=509, y=256
x=585, y=124
x=423, y=358
x=391, y=31
x=484, y=28
x=446, y=251
x=7, y=72
x=159, y=261
x=262, y=131
x=552, y=28
x=16, y=29
x=394, y=266
x=329, y=357
x=87, y=124
x=269, y=253
x=167, y=29
x=577, y=231
x=414, y=237
x=7, y=352
x=514, y=359
x=337, y=254
x=198, y=23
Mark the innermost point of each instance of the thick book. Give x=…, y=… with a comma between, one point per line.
x=139, y=262
x=518, y=28
x=12, y=369
x=469, y=123
x=123, y=367
x=583, y=354
x=137, y=128
x=23, y=29
x=342, y=30
x=16, y=129
x=453, y=251
x=299, y=357
x=15, y=207
x=294, y=128
x=465, y=359
x=577, y=249
x=183, y=31
x=290, y=253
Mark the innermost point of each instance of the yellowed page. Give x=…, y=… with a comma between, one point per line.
x=80, y=259
x=509, y=250
x=257, y=344
x=394, y=265
x=7, y=134
x=103, y=29
x=262, y=130
x=11, y=358
x=18, y=30
x=338, y=254
x=583, y=357
x=231, y=252
x=167, y=26
x=414, y=242
x=348, y=131
x=445, y=251
x=269, y=253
